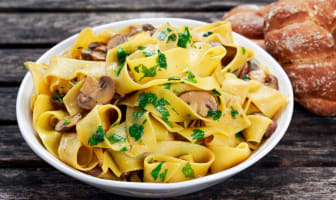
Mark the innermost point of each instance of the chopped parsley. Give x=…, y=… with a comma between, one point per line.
x=139, y=113
x=191, y=77
x=58, y=97
x=207, y=34
x=173, y=79
x=146, y=98
x=188, y=115
x=123, y=149
x=243, y=50
x=141, y=47
x=149, y=53
x=169, y=30
x=234, y=112
x=115, y=124
x=121, y=55
x=164, y=112
x=184, y=38
x=188, y=171
x=144, y=122
x=161, y=60
x=66, y=121
x=156, y=170
x=167, y=86
x=198, y=134
x=246, y=78
x=163, y=175
x=215, y=92
x=176, y=92
x=229, y=70
x=117, y=71
x=114, y=138
x=162, y=35
x=215, y=114
x=172, y=37
x=239, y=134
x=151, y=161
x=147, y=72
x=136, y=131
x=97, y=137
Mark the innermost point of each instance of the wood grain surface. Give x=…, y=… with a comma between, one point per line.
x=302, y=166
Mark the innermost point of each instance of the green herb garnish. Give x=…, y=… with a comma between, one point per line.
x=246, y=78
x=191, y=77
x=121, y=55
x=97, y=137
x=198, y=134
x=207, y=34
x=123, y=149
x=239, y=134
x=58, y=97
x=117, y=71
x=167, y=86
x=188, y=171
x=66, y=121
x=215, y=92
x=136, y=131
x=243, y=50
x=184, y=38
x=148, y=72
x=141, y=47
x=162, y=35
x=234, y=112
x=169, y=30
x=163, y=175
x=215, y=114
x=161, y=60
x=115, y=138
x=173, y=79
x=139, y=113
x=176, y=92
x=149, y=53
x=171, y=37
x=156, y=171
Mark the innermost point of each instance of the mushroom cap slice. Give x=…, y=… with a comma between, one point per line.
x=116, y=40
x=62, y=126
x=106, y=90
x=272, y=81
x=200, y=101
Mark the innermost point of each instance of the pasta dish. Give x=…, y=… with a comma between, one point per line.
x=154, y=103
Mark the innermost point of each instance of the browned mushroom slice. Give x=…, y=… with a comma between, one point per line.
x=68, y=123
x=133, y=30
x=271, y=81
x=200, y=101
x=95, y=92
x=86, y=54
x=95, y=45
x=96, y=51
x=248, y=67
x=271, y=128
x=149, y=27
x=116, y=40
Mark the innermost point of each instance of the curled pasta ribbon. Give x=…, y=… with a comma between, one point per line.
x=42, y=104
x=75, y=154
x=104, y=115
x=214, y=32
x=127, y=163
x=226, y=153
x=46, y=130
x=70, y=99
x=256, y=131
x=87, y=36
x=38, y=71
x=180, y=161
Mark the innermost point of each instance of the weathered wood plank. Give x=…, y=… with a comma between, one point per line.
x=254, y=183
x=128, y=5
x=310, y=141
x=50, y=28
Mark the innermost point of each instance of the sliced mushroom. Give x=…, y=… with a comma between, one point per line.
x=96, y=51
x=95, y=92
x=215, y=44
x=146, y=27
x=98, y=56
x=149, y=27
x=86, y=54
x=125, y=175
x=68, y=123
x=95, y=45
x=271, y=81
x=95, y=171
x=271, y=128
x=116, y=40
x=248, y=67
x=200, y=101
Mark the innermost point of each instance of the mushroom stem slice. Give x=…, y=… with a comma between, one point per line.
x=271, y=81
x=200, y=101
x=116, y=40
x=68, y=123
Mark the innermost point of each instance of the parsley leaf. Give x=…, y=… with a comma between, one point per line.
x=234, y=112
x=215, y=114
x=148, y=72
x=121, y=55
x=156, y=171
x=141, y=47
x=184, y=38
x=163, y=175
x=198, y=134
x=167, y=86
x=188, y=171
x=243, y=50
x=161, y=60
x=136, y=131
x=246, y=78
x=162, y=35
x=97, y=137
x=164, y=113
x=66, y=121
x=115, y=138
x=214, y=91
x=58, y=97
x=146, y=98
x=123, y=149
x=207, y=34
x=173, y=79
x=239, y=134
x=191, y=77
x=149, y=53
x=117, y=71
x=139, y=113
x=169, y=30
x=172, y=37
x=163, y=102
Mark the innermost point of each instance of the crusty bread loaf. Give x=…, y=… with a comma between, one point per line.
x=248, y=20
x=301, y=35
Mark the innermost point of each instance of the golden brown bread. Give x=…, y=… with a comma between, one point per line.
x=300, y=34
x=247, y=20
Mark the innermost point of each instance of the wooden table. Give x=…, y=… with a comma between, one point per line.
x=302, y=166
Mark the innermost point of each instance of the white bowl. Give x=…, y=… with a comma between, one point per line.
x=24, y=118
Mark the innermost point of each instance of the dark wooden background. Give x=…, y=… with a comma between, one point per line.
x=302, y=166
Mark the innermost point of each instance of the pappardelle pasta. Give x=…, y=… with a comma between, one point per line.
x=154, y=103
